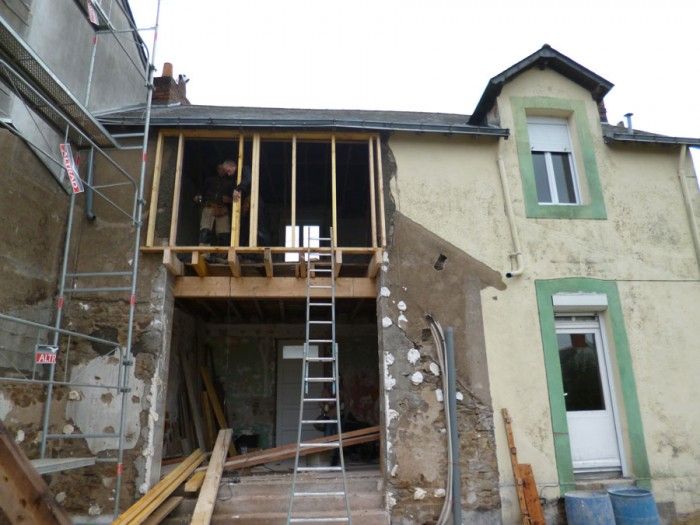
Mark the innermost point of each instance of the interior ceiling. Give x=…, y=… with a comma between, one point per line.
x=273, y=311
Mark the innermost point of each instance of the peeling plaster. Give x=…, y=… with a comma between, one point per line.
x=390, y=500
x=391, y=415
x=439, y=493
x=389, y=382
x=393, y=470
x=413, y=356
x=438, y=395
x=459, y=396
x=385, y=257
x=6, y=406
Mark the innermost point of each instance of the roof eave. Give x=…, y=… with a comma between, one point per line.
x=626, y=137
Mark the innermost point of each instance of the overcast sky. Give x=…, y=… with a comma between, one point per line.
x=428, y=56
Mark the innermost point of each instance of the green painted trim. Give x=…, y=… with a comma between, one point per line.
x=595, y=209
x=545, y=289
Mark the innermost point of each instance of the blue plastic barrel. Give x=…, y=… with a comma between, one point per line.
x=633, y=506
x=588, y=508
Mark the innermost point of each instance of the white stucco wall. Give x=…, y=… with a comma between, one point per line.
x=451, y=186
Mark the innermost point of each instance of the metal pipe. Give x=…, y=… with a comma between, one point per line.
x=688, y=203
x=89, y=191
x=451, y=399
x=628, y=117
x=99, y=435
x=517, y=254
x=98, y=274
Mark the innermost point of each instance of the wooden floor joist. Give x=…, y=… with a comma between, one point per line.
x=143, y=508
x=24, y=496
x=204, y=508
x=355, y=437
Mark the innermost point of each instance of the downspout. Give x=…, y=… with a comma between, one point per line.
x=688, y=204
x=517, y=253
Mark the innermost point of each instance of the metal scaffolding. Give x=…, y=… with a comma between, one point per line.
x=40, y=89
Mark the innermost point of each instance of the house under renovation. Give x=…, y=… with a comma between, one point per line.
x=481, y=312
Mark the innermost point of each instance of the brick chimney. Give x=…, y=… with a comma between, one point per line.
x=167, y=91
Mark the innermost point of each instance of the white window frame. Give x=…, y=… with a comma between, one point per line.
x=551, y=179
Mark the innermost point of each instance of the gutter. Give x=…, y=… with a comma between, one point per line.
x=688, y=204
x=617, y=136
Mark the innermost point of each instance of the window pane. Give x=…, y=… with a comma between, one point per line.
x=580, y=372
x=543, y=193
x=564, y=178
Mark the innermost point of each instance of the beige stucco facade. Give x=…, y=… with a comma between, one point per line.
x=451, y=186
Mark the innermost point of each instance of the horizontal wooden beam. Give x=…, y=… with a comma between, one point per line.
x=355, y=250
x=269, y=135
x=269, y=288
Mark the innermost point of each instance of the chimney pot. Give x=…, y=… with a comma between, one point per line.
x=168, y=69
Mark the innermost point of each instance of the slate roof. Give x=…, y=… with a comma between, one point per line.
x=621, y=134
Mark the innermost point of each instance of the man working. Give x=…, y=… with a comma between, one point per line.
x=216, y=196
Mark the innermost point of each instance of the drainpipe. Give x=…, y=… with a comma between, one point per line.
x=688, y=203
x=517, y=254
x=451, y=399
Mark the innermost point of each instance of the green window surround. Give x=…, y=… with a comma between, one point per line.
x=639, y=466
x=595, y=208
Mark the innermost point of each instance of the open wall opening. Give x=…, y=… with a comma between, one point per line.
x=248, y=352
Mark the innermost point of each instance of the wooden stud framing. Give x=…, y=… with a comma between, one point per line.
x=294, y=190
x=334, y=202
x=338, y=263
x=254, y=191
x=204, y=508
x=374, y=264
x=380, y=177
x=372, y=197
x=176, y=189
x=155, y=191
x=199, y=263
x=267, y=259
x=236, y=213
x=269, y=288
x=234, y=263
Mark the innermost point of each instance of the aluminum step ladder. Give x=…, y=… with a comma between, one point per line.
x=320, y=348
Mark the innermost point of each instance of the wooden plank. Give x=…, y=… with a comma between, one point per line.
x=24, y=496
x=199, y=263
x=271, y=455
x=358, y=250
x=380, y=180
x=322, y=136
x=204, y=508
x=172, y=263
x=195, y=482
x=294, y=190
x=213, y=397
x=236, y=213
x=176, y=190
x=162, y=512
x=334, y=194
x=145, y=506
x=254, y=191
x=188, y=373
x=514, y=464
x=301, y=269
x=208, y=420
x=267, y=259
x=234, y=262
x=338, y=263
x=155, y=191
x=532, y=498
x=269, y=288
x=372, y=197
x=374, y=264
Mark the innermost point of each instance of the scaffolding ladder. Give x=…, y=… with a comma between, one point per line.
x=320, y=349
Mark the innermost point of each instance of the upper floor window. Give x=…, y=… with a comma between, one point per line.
x=552, y=159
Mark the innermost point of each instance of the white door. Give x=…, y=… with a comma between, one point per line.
x=590, y=412
x=289, y=390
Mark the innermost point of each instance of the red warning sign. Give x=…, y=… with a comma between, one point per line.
x=71, y=169
x=45, y=354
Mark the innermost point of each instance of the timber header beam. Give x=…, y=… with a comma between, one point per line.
x=269, y=288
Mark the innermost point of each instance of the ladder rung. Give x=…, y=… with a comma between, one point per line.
x=319, y=400
x=317, y=494
x=320, y=359
x=319, y=421
x=320, y=286
x=319, y=379
x=318, y=239
x=321, y=270
x=319, y=445
x=319, y=469
x=318, y=520
x=320, y=304
x=320, y=340
x=320, y=322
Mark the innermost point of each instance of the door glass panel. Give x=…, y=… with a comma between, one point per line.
x=541, y=181
x=578, y=356
x=564, y=178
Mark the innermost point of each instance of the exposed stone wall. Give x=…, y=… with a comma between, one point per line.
x=416, y=443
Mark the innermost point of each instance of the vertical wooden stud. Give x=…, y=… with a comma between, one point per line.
x=372, y=196
x=254, y=191
x=334, y=193
x=155, y=190
x=294, y=190
x=236, y=211
x=380, y=177
x=176, y=189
